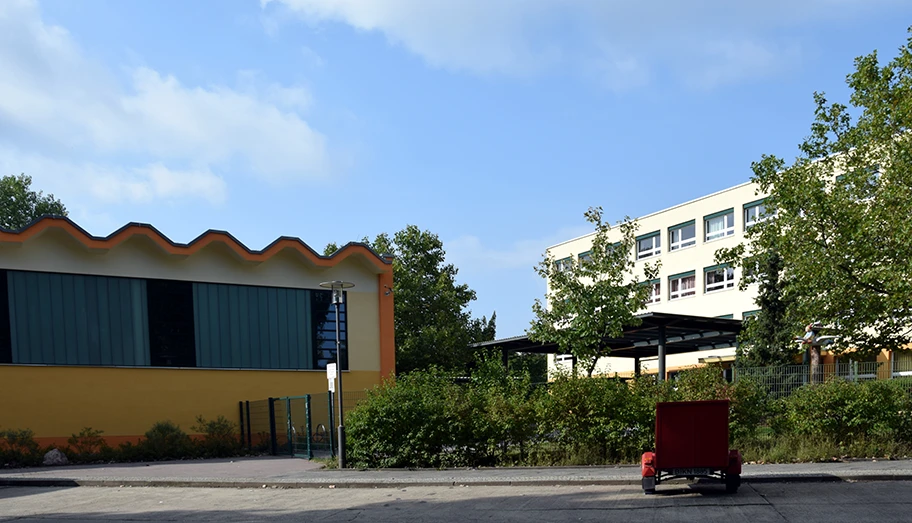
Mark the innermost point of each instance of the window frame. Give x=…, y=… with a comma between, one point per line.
x=656, y=248
x=726, y=284
x=682, y=243
x=760, y=217
x=584, y=257
x=680, y=294
x=727, y=230
x=563, y=264
x=656, y=286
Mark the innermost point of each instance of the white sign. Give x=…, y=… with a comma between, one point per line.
x=331, y=376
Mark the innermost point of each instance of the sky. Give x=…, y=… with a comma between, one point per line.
x=493, y=124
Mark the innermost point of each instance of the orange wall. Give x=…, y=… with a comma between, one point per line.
x=56, y=402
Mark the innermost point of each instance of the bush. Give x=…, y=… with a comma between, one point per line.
x=750, y=405
x=18, y=448
x=844, y=412
x=165, y=440
x=220, y=439
x=88, y=446
x=410, y=422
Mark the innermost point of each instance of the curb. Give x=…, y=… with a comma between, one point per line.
x=54, y=482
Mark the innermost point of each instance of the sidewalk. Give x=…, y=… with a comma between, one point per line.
x=280, y=472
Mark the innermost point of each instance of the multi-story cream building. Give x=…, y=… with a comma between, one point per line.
x=685, y=238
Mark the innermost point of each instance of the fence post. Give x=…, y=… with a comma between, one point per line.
x=249, y=435
x=310, y=453
x=289, y=427
x=241, y=410
x=332, y=426
x=273, y=444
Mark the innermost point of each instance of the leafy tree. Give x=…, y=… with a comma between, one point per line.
x=595, y=299
x=432, y=324
x=767, y=337
x=20, y=206
x=841, y=212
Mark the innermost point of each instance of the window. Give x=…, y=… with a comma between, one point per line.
x=754, y=212
x=563, y=265
x=719, y=225
x=656, y=288
x=649, y=245
x=749, y=314
x=681, y=236
x=585, y=257
x=682, y=285
x=718, y=278
x=726, y=317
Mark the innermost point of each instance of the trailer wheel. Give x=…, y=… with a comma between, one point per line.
x=732, y=482
x=649, y=485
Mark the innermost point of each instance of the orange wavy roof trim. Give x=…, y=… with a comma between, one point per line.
x=209, y=237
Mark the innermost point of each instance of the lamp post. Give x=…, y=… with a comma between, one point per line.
x=338, y=298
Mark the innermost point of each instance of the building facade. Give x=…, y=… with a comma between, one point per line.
x=685, y=238
x=120, y=332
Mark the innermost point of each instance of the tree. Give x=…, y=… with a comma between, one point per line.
x=20, y=206
x=767, y=337
x=840, y=213
x=433, y=326
x=588, y=301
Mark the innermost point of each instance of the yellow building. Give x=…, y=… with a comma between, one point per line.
x=117, y=333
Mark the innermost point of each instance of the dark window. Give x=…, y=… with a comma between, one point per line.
x=6, y=345
x=324, y=329
x=171, y=336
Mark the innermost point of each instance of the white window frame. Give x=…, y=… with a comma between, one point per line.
x=585, y=257
x=656, y=287
x=655, y=250
x=562, y=264
x=754, y=213
x=681, y=292
x=676, y=245
x=728, y=281
x=727, y=229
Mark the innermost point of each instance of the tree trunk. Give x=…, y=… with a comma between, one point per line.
x=815, y=364
x=592, y=365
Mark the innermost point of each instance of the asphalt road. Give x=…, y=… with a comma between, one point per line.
x=805, y=502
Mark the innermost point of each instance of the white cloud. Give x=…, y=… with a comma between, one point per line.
x=617, y=41
x=146, y=136
x=469, y=253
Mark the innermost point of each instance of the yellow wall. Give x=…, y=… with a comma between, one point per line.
x=56, y=402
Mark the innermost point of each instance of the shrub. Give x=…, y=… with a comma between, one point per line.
x=18, y=448
x=88, y=446
x=750, y=405
x=410, y=422
x=842, y=411
x=220, y=439
x=165, y=440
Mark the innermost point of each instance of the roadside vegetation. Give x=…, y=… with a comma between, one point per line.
x=217, y=438
x=427, y=419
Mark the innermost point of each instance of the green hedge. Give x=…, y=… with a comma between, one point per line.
x=427, y=419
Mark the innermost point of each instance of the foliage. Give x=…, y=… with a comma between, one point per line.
x=433, y=326
x=89, y=445
x=220, y=438
x=842, y=411
x=18, y=448
x=409, y=422
x=592, y=300
x=165, y=440
x=839, y=212
x=19, y=205
x=767, y=337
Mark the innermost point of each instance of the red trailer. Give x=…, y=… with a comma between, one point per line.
x=691, y=441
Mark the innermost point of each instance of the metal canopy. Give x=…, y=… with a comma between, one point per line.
x=659, y=334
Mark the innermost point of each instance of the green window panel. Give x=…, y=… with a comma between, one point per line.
x=67, y=319
x=238, y=326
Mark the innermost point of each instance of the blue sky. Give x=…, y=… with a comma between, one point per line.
x=493, y=124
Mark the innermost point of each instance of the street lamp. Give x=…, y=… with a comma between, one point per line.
x=338, y=298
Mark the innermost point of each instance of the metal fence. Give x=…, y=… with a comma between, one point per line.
x=783, y=380
x=301, y=426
